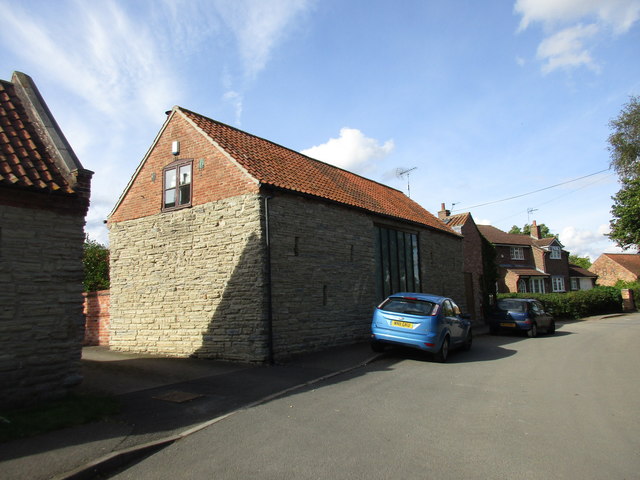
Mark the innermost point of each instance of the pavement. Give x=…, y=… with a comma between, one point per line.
x=163, y=400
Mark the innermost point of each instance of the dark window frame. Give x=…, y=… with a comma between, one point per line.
x=175, y=166
x=397, y=261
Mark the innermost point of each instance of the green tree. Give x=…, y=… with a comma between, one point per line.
x=624, y=147
x=584, y=262
x=625, y=225
x=624, y=142
x=96, y=266
x=526, y=230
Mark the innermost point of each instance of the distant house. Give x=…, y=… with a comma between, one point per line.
x=44, y=196
x=612, y=267
x=529, y=263
x=226, y=245
x=473, y=267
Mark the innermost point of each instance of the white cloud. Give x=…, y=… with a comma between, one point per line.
x=565, y=44
x=258, y=26
x=619, y=15
x=566, y=48
x=587, y=242
x=352, y=150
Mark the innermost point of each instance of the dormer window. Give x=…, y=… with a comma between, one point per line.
x=177, y=185
x=556, y=253
x=517, y=253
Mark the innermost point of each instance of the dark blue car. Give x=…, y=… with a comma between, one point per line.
x=428, y=322
x=521, y=314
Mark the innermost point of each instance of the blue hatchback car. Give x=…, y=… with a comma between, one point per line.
x=428, y=322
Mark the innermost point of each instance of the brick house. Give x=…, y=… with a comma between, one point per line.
x=612, y=267
x=44, y=196
x=226, y=245
x=473, y=265
x=529, y=263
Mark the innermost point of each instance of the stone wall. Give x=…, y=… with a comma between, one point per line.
x=323, y=271
x=191, y=282
x=96, y=312
x=41, y=319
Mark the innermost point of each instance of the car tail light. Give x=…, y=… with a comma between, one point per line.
x=429, y=344
x=527, y=321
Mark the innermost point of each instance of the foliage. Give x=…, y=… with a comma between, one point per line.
x=579, y=304
x=624, y=142
x=526, y=230
x=71, y=410
x=625, y=225
x=490, y=270
x=96, y=266
x=584, y=262
x=624, y=147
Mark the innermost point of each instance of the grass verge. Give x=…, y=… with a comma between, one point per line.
x=74, y=409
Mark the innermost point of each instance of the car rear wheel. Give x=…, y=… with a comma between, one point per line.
x=377, y=346
x=468, y=341
x=552, y=327
x=533, y=331
x=442, y=354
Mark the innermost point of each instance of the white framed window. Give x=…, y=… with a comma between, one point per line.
x=556, y=253
x=574, y=284
x=177, y=185
x=522, y=286
x=537, y=285
x=557, y=283
x=517, y=253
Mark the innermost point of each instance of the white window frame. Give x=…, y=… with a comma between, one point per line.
x=557, y=283
x=536, y=285
x=575, y=283
x=522, y=286
x=517, y=253
x=556, y=253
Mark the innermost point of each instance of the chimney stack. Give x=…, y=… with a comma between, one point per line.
x=443, y=213
x=535, y=230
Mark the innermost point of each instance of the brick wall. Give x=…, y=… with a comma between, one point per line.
x=96, y=311
x=41, y=320
x=610, y=272
x=214, y=176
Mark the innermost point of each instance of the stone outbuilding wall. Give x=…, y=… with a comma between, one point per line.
x=41, y=317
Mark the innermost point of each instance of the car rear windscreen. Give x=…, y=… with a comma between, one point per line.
x=512, y=306
x=407, y=306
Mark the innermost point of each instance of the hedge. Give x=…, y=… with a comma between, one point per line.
x=579, y=304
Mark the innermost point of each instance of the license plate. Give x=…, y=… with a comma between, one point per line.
x=397, y=323
x=507, y=324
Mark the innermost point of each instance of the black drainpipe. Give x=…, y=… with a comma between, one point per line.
x=269, y=290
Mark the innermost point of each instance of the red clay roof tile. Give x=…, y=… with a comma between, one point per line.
x=24, y=160
x=275, y=165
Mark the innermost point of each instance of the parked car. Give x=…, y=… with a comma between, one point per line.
x=428, y=322
x=521, y=314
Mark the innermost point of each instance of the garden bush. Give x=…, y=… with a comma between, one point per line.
x=573, y=305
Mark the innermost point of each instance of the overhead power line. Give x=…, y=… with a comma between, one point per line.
x=535, y=191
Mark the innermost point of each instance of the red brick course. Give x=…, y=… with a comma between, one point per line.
x=96, y=311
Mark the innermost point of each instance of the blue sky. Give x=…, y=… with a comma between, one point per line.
x=487, y=100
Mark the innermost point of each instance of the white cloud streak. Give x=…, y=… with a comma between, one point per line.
x=572, y=26
x=352, y=150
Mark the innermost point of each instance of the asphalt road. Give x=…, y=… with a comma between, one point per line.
x=564, y=407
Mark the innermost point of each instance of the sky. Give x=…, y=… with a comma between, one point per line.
x=499, y=108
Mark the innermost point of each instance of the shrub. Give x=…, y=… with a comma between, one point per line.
x=583, y=303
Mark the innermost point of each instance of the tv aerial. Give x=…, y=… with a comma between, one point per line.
x=401, y=172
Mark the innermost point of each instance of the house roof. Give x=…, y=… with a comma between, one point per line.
x=277, y=166
x=577, y=271
x=630, y=261
x=499, y=237
x=527, y=272
x=457, y=220
x=34, y=155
